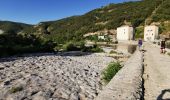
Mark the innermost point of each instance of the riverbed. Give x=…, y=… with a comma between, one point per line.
x=52, y=77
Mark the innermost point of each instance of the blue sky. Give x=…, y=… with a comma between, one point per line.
x=35, y=11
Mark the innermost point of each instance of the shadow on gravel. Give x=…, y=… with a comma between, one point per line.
x=160, y=97
x=73, y=53
x=18, y=57
x=21, y=56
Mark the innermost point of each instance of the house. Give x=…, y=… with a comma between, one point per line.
x=151, y=33
x=1, y=31
x=102, y=37
x=125, y=33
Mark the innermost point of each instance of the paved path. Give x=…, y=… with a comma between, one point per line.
x=156, y=74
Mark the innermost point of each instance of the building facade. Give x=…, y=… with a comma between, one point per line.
x=125, y=33
x=1, y=31
x=102, y=37
x=151, y=33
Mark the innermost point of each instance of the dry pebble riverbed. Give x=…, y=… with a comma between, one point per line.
x=52, y=77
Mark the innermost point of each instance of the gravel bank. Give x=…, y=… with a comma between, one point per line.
x=52, y=77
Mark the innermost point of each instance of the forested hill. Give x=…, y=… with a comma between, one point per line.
x=13, y=27
x=137, y=14
x=108, y=17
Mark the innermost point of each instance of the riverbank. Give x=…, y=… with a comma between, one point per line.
x=49, y=76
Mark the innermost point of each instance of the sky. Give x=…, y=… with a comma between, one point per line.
x=35, y=11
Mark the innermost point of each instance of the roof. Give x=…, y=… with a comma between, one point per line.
x=125, y=26
x=151, y=26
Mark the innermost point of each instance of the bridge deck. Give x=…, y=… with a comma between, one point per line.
x=156, y=74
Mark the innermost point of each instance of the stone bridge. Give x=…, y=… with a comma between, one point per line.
x=127, y=84
x=145, y=76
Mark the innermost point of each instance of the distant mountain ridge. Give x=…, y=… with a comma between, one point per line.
x=13, y=27
x=20, y=36
x=112, y=16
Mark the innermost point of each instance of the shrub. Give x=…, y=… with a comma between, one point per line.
x=111, y=71
x=94, y=48
x=168, y=45
x=131, y=48
x=92, y=38
x=73, y=46
x=19, y=44
x=16, y=89
x=168, y=53
x=113, y=52
x=159, y=43
x=139, y=32
x=80, y=44
x=97, y=49
x=116, y=42
x=70, y=46
x=57, y=48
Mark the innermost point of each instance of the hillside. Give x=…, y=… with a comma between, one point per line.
x=13, y=27
x=162, y=15
x=73, y=28
x=108, y=17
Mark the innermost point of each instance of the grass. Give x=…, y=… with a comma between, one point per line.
x=113, y=52
x=168, y=53
x=111, y=71
x=16, y=89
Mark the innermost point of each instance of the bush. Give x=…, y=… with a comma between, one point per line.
x=92, y=38
x=113, y=52
x=73, y=46
x=168, y=45
x=159, y=43
x=116, y=42
x=16, y=89
x=96, y=49
x=111, y=71
x=168, y=53
x=131, y=48
x=79, y=46
x=139, y=32
x=93, y=49
x=69, y=47
x=19, y=44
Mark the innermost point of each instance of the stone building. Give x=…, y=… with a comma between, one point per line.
x=151, y=33
x=1, y=31
x=125, y=33
x=102, y=37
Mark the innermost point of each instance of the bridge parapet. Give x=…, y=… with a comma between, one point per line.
x=127, y=83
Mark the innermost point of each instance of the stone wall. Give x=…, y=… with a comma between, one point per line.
x=127, y=83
